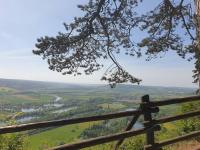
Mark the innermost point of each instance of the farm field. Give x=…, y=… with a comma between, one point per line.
x=57, y=136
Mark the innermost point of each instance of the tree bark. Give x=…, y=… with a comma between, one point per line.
x=197, y=51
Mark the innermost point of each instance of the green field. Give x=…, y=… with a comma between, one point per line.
x=57, y=136
x=112, y=106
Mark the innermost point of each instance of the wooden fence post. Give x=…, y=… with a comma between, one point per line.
x=147, y=110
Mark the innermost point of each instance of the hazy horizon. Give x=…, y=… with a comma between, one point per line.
x=99, y=84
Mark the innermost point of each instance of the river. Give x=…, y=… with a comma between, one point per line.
x=55, y=104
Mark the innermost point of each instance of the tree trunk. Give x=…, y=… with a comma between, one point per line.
x=197, y=21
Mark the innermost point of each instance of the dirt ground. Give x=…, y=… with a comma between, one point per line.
x=192, y=145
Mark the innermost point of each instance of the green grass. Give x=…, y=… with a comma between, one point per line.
x=14, y=97
x=112, y=106
x=18, y=99
x=56, y=136
x=85, y=95
x=5, y=115
x=7, y=90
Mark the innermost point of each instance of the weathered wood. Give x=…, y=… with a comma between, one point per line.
x=197, y=41
x=150, y=139
x=174, y=101
x=134, y=120
x=30, y=126
x=174, y=118
x=129, y=127
x=104, y=139
x=174, y=140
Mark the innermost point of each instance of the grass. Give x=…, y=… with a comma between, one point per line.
x=7, y=90
x=18, y=99
x=112, y=106
x=57, y=136
x=83, y=96
x=168, y=130
x=4, y=115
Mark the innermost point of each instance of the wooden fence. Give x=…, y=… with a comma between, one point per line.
x=151, y=125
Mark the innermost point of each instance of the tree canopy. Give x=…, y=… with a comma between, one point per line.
x=107, y=29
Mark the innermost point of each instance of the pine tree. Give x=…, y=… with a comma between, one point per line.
x=107, y=29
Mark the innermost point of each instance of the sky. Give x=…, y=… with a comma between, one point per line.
x=23, y=21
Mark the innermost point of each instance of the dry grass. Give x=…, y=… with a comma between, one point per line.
x=190, y=145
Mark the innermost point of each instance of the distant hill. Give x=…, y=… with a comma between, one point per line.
x=27, y=85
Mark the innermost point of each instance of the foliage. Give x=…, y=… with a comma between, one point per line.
x=104, y=128
x=191, y=124
x=135, y=143
x=12, y=142
x=107, y=28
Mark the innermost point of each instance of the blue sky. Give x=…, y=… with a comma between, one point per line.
x=22, y=22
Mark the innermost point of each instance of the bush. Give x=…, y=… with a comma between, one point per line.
x=12, y=142
x=134, y=143
x=191, y=124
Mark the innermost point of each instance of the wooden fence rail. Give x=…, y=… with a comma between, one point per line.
x=146, y=109
x=174, y=101
x=173, y=118
x=180, y=138
x=45, y=124
x=105, y=139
